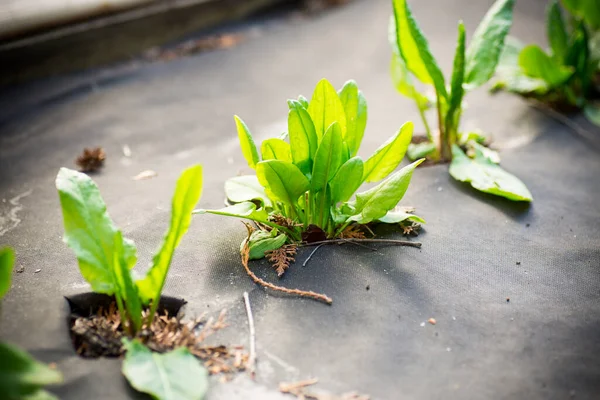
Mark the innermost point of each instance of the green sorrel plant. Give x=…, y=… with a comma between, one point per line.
x=568, y=75
x=473, y=66
x=106, y=258
x=306, y=179
x=21, y=376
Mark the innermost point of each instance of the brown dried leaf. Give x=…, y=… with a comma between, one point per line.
x=282, y=257
x=91, y=159
x=410, y=228
x=353, y=232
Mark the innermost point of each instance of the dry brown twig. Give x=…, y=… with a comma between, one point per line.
x=252, y=359
x=298, y=389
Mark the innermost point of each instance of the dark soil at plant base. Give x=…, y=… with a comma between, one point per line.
x=96, y=331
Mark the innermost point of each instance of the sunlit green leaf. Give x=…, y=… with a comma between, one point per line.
x=303, y=137
x=176, y=375
x=347, y=180
x=282, y=180
x=403, y=82
x=355, y=108
x=7, y=259
x=588, y=10
x=247, y=143
x=325, y=108
x=261, y=242
x=510, y=75
x=419, y=150
x=275, y=149
x=246, y=188
x=397, y=216
x=127, y=289
x=457, y=91
x=537, y=64
x=387, y=157
x=328, y=159
x=556, y=31
x=243, y=210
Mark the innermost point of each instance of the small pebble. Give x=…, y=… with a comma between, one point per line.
x=36, y=271
x=448, y=349
x=528, y=225
x=439, y=189
x=518, y=262
x=432, y=321
x=368, y=287
x=508, y=299
x=422, y=324
x=453, y=318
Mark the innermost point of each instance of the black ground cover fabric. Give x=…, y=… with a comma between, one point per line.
x=515, y=290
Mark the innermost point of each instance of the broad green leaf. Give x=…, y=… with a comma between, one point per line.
x=487, y=42
x=246, y=188
x=303, y=137
x=176, y=375
x=419, y=150
x=127, y=290
x=261, y=242
x=325, y=108
x=246, y=143
x=355, y=108
x=282, y=180
x=89, y=231
x=592, y=113
x=491, y=155
x=242, y=210
x=275, y=149
x=456, y=91
x=588, y=10
x=329, y=158
x=397, y=216
x=486, y=176
x=556, y=31
x=414, y=49
x=537, y=64
x=187, y=193
x=40, y=395
x=347, y=180
x=387, y=157
x=7, y=260
x=376, y=202
x=303, y=100
x=21, y=375
x=403, y=82
x=511, y=76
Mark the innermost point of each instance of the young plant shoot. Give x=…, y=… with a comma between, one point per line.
x=21, y=376
x=305, y=182
x=106, y=258
x=567, y=76
x=473, y=66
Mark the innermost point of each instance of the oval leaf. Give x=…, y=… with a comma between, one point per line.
x=376, y=202
x=7, y=259
x=557, y=31
x=246, y=188
x=325, y=108
x=355, y=108
x=246, y=143
x=303, y=137
x=457, y=91
x=387, y=157
x=537, y=64
x=275, y=149
x=242, y=210
x=282, y=180
x=328, y=159
x=176, y=375
x=347, y=180
x=486, y=176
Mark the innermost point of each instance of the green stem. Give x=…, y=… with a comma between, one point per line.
x=427, y=128
x=123, y=315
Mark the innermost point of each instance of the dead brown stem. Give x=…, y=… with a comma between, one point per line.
x=383, y=241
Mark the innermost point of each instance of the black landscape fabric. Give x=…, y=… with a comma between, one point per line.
x=514, y=290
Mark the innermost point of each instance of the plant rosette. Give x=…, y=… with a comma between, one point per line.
x=306, y=181
x=470, y=160
x=566, y=77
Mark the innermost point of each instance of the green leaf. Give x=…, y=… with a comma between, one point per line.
x=457, y=92
x=486, y=176
x=419, y=150
x=325, y=108
x=592, y=113
x=403, y=82
x=246, y=188
x=40, y=395
x=7, y=260
x=387, y=157
x=275, y=149
x=329, y=158
x=282, y=180
x=247, y=143
x=303, y=137
x=511, y=76
x=487, y=42
x=397, y=216
x=261, y=242
x=303, y=101
x=127, y=289
x=347, y=180
x=537, y=64
x=241, y=210
x=556, y=31
x=89, y=231
x=176, y=375
x=355, y=108
x=588, y=10
x=21, y=375
x=414, y=49
x=187, y=193
x=376, y=202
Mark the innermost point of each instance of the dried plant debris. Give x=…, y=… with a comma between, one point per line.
x=282, y=257
x=91, y=160
x=353, y=232
x=209, y=43
x=410, y=228
x=299, y=389
x=101, y=335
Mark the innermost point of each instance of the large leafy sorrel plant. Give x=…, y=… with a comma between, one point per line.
x=21, y=376
x=473, y=66
x=105, y=257
x=568, y=76
x=305, y=180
